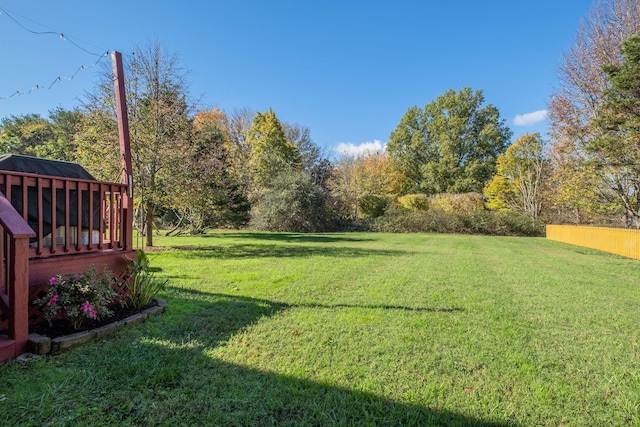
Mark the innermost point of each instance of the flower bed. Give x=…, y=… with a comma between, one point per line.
x=44, y=339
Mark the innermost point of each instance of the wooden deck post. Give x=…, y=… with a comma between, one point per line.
x=19, y=309
x=125, y=147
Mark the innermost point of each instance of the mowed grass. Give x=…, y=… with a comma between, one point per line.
x=357, y=329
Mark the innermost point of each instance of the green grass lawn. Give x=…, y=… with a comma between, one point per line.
x=357, y=329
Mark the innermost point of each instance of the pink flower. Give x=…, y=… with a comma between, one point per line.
x=93, y=314
x=77, y=277
x=53, y=281
x=52, y=300
x=86, y=307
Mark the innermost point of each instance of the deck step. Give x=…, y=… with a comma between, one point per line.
x=7, y=348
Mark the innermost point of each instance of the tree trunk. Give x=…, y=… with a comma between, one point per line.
x=149, y=226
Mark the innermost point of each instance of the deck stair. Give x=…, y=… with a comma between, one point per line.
x=7, y=348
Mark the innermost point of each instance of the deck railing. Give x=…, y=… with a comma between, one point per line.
x=14, y=273
x=68, y=215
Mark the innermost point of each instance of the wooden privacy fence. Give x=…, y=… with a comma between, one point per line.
x=619, y=241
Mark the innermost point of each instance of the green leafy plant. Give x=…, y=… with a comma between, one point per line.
x=414, y=202
x=373, y=206
x=145, y=285
x=78, y=297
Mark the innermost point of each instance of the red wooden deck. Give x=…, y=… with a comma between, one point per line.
x=86, y=223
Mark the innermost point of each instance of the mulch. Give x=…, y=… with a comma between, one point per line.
x=62, y=327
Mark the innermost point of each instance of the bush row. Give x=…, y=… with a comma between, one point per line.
x=501, y=223
x=296, y=205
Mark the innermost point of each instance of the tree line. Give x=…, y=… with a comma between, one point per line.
x=450, y=166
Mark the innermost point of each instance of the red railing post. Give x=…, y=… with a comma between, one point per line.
x=19, y=288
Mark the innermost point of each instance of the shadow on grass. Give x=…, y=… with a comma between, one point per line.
x=283, y=306
x=164, y=373
x=292, y=237
x=278, y=251
x=222, y=393
x=383, y=307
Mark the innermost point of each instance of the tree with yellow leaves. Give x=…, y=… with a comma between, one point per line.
x=518, y=181
x=365, y=184
x=271, y=153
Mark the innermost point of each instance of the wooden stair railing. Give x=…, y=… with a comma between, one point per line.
x=14, y=277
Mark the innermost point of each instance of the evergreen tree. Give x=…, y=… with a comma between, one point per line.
x=617, y=150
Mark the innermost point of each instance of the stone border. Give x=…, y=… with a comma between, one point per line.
x=40, y=344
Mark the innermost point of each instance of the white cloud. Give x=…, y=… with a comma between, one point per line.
x=366, y=148
x=529, y=119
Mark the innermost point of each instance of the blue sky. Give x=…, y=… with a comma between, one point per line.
x=348, y=70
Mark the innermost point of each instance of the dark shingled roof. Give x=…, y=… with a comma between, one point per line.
x=28, y=164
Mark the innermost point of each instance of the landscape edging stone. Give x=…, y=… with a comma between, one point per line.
x=41, y=344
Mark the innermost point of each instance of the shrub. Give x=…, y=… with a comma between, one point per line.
x=293, y=203
x=414, y=202
x=373, y=206
x=465, y=202
x=78, y=297
x=145, y=285
x=474, y=222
